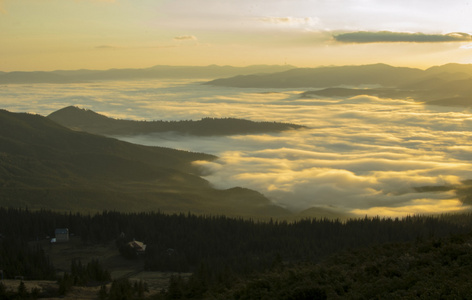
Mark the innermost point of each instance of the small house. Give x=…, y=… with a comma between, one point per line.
x=61, y=235
x=139, y=247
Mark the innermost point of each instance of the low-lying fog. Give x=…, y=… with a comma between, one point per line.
x=361, y=155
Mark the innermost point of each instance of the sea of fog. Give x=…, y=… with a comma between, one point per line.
x=360, y=155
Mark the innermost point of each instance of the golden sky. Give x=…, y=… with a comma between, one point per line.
x=103, y=34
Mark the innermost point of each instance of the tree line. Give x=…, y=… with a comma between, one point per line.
x=213, y=248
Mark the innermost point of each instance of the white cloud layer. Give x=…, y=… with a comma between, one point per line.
x=362, y=155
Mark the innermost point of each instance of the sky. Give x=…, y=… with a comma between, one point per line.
x=102, y=34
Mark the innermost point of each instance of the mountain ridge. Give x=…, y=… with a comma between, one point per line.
x=325, y=76
x=446, y=85
x=154, y=72
x=354, y=75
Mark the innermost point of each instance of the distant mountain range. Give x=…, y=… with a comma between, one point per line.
x=449, y=85
x=183, y=72
x=45, y=165
x=379, y=74
x=322, y=77
x=89, y=121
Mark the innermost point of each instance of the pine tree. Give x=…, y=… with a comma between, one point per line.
x=103, y=292
x=22, y=292
x=3, y=292
x=175, y=290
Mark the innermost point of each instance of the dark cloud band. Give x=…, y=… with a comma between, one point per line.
x=392, y=37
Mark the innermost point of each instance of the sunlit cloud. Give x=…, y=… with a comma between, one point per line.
x=468, y=46
x=418, y=207
x=393, y=37
x=300, y=179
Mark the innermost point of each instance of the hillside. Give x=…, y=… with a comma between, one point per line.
x=90, y=121
x=43, y=164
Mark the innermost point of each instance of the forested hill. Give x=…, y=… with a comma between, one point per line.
x=89, y=121
x=43, y=164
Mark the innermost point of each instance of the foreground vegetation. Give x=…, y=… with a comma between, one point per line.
x=243, y=259
x=425, y=269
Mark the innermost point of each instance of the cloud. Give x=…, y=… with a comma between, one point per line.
x=111, y=47
x=301, y=179
x=309, y=21
x=395, y=37
x=185, y=38
x=468, y=46
x=419, y=207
